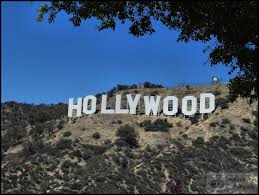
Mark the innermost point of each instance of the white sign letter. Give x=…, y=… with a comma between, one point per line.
x=185, y=110
x=211, y=98
x=72, y=106
x=133, y=103
x=174, y=100
x=103, y=106
x=151, y=104
x=92, y=105
x=118, y=106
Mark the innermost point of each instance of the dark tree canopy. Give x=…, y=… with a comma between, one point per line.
x=232, y=23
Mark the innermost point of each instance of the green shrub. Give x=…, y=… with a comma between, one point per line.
x=67, y=134
x=194, y=119
x=107, y=141
x=179, y=124
x=224, y=106
x=145, y=123
x=246, y=120
x=214, y=124
x=64, y=144
x=198, y=142
x=121, y=143
x=254, y=113
x=116, y=122
x=225, y=121
x=253, y=135
x=216, y=93
x=66, y=164
x=185, y=136
x=222, y=142
x=243, y=129
x=60, y=124
x=77, y=153
x=32, y=147
x=92, y=150
x=157, y=125
x=86, y=155
x=128, y=134
x=96, y=135
x=154, y=93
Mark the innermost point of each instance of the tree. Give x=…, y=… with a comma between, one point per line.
x=232, y=24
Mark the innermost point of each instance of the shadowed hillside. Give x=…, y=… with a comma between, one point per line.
x=43, y=151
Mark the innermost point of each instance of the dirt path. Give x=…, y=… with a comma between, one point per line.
x=167, y=178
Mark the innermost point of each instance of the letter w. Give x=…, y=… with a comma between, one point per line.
x=151, y=104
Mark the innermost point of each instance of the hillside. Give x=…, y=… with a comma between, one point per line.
x=43, y=151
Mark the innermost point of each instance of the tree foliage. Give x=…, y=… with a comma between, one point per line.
x=233, y=24
x=18, y=118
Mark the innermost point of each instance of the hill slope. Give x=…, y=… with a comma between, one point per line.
x=164, y=154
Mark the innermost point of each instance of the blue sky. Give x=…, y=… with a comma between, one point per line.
x=48, y=63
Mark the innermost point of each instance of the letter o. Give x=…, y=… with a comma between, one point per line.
x=185, y=111
x=175, y=105
x=93, y=104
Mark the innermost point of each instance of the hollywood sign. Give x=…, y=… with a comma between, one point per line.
x=87, y=105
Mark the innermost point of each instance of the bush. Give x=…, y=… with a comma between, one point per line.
x=213, y=124
x=254, y=113
x=157, y=125
x=107, y=141
x=66, y=164
x=86, y=155
x=195, y=119
x=179, y=124
x=61, y=124
x=64, y=144
x=154, y=93
x=32, y=147
x=243, y=129
x=222, y=142
x=116, y=122
x=198, y=142
x=216, y=93
x=225, y=121
x=67, y=133
x=224, y=106
x=151, y=85
x=253, y=135
x=232, y=127
x=128, y=134
x=121, y=143
x=77, y=153
x=145, y=123
x=185, y=136
x=96, y=135
x=246, y=120
x=92, y=150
